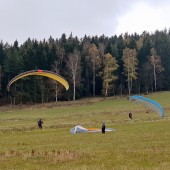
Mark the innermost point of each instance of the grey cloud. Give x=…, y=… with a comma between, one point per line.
x=39, y=19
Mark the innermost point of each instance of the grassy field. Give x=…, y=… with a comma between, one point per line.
x=138, y=144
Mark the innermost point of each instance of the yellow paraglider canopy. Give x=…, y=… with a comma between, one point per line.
x=44, y=73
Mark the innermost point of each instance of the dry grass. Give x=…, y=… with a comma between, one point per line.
x=86, y=101
x=45, y=156
x=141, y=143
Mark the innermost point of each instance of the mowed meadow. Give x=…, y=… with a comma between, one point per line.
x=141, y=143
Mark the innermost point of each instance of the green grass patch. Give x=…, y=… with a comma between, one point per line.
x=141, y=143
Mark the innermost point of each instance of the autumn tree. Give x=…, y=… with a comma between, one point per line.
x=110, y=65
x=102, y=48
x=56, y=69
x=93, y=60
x=58, y=53
x=157, y=67
x=130, y=66
x=74, y=69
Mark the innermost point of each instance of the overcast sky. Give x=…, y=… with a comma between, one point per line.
x=21, y=19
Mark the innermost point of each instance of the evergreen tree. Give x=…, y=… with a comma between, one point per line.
x=85, y=66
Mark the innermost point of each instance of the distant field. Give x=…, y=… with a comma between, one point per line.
x=142, y=143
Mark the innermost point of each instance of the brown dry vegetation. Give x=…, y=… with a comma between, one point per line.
x=49, y=156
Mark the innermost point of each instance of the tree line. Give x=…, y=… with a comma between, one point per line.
x=93, y=66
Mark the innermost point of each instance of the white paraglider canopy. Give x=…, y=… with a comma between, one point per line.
x=80, y=129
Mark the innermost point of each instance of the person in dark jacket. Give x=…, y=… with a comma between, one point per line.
x=130, y=115
x=40, y=122
x=103, y=127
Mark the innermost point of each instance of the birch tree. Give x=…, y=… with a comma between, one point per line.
x=130, y=66
x=73, y=65
x=56, y=67
x=157, y=67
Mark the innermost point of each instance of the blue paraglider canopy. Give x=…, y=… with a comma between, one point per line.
x=152, y=104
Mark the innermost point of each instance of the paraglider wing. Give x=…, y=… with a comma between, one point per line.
x=80, y=129
x=152, y=104
x=45, y=73
x=99, y=130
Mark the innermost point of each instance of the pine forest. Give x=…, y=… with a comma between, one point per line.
x=93, y=66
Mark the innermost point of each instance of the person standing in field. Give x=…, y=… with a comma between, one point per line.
x=40, y=122
x=130, y=115
x=103, y=127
